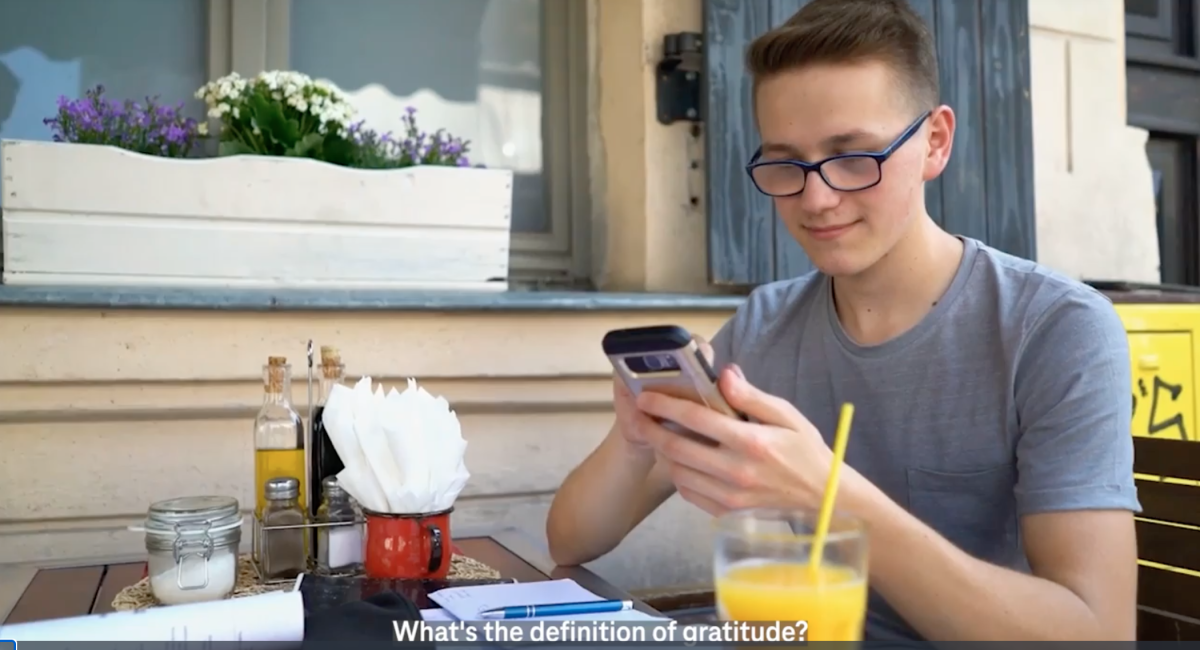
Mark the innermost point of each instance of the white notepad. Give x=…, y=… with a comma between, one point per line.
x=437, y=615
x=466, y=603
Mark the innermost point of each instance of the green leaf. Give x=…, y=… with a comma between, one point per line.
x=269, y=117
x=308, y=147
x=338, y=151
x=233, y=148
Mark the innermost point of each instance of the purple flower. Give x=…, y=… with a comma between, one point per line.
x=146, y=127
x=412, y=147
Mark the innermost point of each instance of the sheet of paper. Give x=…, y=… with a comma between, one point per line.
x=276, y=617
x=465, y=603
x=436, y=614
x=631, y=615
x=440, y=615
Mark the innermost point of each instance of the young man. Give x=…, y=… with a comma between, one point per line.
x=991, y=455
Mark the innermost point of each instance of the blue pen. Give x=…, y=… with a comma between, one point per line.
x=559, y=609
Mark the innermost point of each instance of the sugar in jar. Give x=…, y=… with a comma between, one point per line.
x=192, y=548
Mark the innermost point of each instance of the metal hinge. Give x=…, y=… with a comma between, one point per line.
x=678, y=79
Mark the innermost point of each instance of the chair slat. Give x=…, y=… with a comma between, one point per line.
x=1166, y=457
x=1170, y=545
x=1169, y=501
x=1161, y=626
x=1169, y=591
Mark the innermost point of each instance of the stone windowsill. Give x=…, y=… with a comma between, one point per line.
x=76, y=297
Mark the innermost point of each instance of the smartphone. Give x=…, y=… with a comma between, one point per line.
x=665, y=359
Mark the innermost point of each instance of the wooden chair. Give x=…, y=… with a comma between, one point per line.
x=1168, y=531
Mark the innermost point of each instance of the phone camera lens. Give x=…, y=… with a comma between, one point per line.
x=651, y=363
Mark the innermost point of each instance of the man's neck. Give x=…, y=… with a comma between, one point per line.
x=893, y=295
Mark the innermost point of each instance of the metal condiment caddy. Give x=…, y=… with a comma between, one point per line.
x=309, y=526
x=259, y=530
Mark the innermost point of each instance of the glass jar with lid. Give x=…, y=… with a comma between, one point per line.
x=192, y=548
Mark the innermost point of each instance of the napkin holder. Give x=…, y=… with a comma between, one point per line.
x=407, y=546
x=430, y=530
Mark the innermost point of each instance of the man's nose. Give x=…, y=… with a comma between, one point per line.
x=817, y=195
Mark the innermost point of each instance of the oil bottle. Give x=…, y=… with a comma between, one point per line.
x=278, y=434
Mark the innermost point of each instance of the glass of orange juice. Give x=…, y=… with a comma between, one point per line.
x=763, y=572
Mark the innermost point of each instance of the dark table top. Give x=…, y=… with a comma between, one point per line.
x=41, y=592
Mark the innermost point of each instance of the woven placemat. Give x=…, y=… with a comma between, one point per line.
x=139, y=596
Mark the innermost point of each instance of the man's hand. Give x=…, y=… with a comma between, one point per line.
x=780, y=461
x=631, y=421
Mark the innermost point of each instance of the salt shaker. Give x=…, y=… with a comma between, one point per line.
x=339, y=548
x=283, y=553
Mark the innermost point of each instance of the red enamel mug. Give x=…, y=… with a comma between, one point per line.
x=407, y=546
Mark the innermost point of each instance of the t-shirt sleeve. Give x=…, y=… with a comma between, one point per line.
x=1074, y=406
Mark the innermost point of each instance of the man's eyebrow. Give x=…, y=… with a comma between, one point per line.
x=781, y=148
x=833, y=142
x=848, y=138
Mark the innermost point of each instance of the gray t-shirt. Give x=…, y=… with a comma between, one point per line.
x=1010, y=397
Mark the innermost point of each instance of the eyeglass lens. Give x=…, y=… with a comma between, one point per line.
x=844, y=174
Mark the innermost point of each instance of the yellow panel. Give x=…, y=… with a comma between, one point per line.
x=1149, y=316
x=1163, y=385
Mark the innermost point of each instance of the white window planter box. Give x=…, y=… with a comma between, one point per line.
x=97, y=215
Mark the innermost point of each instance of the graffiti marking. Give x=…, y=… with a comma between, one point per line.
x=1175, y=422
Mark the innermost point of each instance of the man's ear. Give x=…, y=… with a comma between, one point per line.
x=939, y=142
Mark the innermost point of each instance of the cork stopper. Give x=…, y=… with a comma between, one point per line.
x=331, y=362
x=276, y=368
x=330, y=355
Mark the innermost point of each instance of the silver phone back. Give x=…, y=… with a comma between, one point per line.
x=687, y=379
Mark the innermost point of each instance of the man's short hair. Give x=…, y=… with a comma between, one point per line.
x=853, y=31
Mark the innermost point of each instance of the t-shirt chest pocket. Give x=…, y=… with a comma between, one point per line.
x=975, y=510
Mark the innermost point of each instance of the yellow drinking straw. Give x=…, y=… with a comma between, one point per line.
x=831, y=485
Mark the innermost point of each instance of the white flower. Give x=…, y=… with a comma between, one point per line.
x=218, y=110
x=320, y=99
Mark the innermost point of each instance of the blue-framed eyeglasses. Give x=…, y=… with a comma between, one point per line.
x=847, y=172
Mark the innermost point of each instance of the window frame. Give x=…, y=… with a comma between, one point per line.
x=1159, y=28
x=248, y=36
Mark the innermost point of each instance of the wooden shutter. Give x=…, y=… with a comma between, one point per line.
x=987, y=190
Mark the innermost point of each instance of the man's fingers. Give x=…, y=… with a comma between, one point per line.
x=653, y=432
x=708, y=488
x=690, y=415
x=698, y=489
x=704, y=503
x=764, y=407
x=620, y=390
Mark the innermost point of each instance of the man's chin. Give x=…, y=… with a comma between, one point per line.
x=836, y=260
x=840, y=266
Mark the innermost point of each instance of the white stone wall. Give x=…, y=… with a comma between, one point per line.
x=1095, y=202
